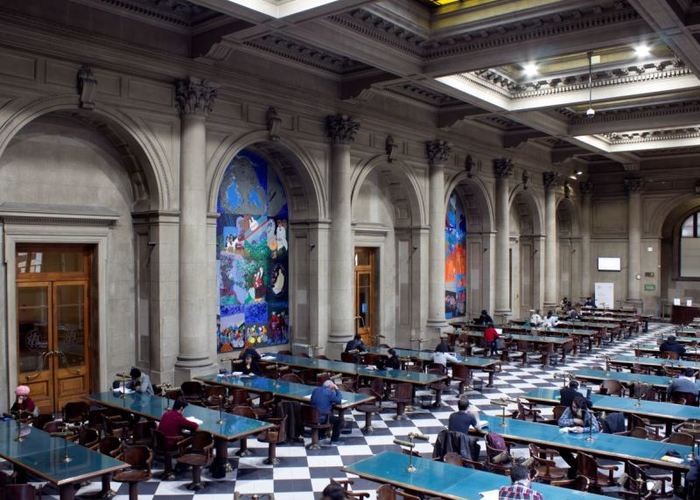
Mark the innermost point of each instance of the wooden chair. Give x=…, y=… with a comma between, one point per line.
x=612, y=388
x=462, y=374
x=527, y=411
x=654, y=431
x=684, y=398
x=19, y=492
x=369, y=409
x=588, y=466
x=192, y=391
x=239, y=397
x=266, y=405
x=438, y=387
x=636, y=484
x=379, y=389
x=388, y=492
x=346, y=484
x=248, y=412
x=311, y=418
x=680, y=438
x=162, y=447
x=142, y=433
x=347, y=357
x=214, y=396
x=115, y=425
x=273, y=437
x=670, y=355
x=76, y=412
x=140, y=459
x=544, y=464
x=580, y=483
x=498, y=460
x=87, y=437
x=197, y=451
x=292, y=377
x=402, y=396
x=110, y=446
x=456, y=459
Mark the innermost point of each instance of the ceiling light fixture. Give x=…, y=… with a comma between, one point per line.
x=642, y=50
x=579, y=172
x=590, y=112
x=530, y=69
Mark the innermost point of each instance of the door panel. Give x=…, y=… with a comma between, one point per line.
x=34, y=342
x=71, y=324
x=365, y=294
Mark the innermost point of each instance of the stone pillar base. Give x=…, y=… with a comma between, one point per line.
x=334, y=348
x=433, y=329
x=549, y=306
x=501, y=316
x=187, y=369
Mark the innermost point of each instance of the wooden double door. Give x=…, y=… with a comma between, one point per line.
x=53, y=323
x=366, y=294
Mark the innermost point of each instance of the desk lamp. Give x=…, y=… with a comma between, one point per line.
x=502, y=402
x=165, y=389
x=63, y=434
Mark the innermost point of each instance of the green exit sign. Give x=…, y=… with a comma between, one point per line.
x=649, y=287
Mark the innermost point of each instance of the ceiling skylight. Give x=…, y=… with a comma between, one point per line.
x=281, y=8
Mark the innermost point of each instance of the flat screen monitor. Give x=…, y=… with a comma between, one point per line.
x=608, y=263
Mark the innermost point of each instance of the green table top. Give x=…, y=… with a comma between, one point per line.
x=43, y=455
x=610, y=319
x=691, y=332
x=418, y=378
x=608, y=445
x=649, y=361
x=654, y=348
x=625, y=377
x=540, y=339
x=444, y=480
x=589, y=324
x=153, y=407
x=555, y=330
x=470, y=361
x=281, y=388
x=656, y=409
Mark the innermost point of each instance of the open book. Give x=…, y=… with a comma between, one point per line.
x=195, y=420
x=489, y=495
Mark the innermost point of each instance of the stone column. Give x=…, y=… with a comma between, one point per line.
x=503, y=168
x=550, y=180
x=341, y=130
x=194, y=101
x=633, y=188
x=587, y=192
x=437, y=152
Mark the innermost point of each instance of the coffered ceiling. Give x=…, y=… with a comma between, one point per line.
x=520, y=67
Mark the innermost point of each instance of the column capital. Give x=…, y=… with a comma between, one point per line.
x=503, y=167
x=633, y=185
x=437, y=152
x=194, y=96
x=550, y=179
x=587, y=187
x=341, y=128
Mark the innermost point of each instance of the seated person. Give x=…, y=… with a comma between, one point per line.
x=23, y=404
x=173, y=422
x=323, y=398
x=444, y=345
x=491, y=339
x=535, y=318
x=461, y=420
x=392, y=361
x=684, y=383
x=551, y=320
x=249, y=351
x=672, y=345
x=355, y=345
x=568, y=394
x=579, y=419
x=140, y=382
x=484, y=319
x=442, y=358
x=521, y=486
x=573, y=314
x=250, y=366
x=334, y=491
x=590, y=302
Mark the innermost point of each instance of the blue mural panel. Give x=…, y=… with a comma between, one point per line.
x=252, y=256
x=455, y=259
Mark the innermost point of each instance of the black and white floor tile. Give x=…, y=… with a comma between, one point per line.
x=302, y=474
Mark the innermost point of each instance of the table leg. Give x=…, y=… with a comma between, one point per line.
x=345, y=428
x=67, y=491
x=490, y=384
x=220, y=466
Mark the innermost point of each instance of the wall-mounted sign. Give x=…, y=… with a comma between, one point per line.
x=649, y=275
x=649, y=287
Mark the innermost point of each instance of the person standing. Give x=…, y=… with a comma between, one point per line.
x=323, y=398
x=491, y=339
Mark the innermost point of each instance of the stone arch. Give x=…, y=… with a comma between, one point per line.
x=527, y=205
x=403, y=187
x=146, y=158
x=295, y=168
x=525, y=246
x=667, y=221
x=569, y=226
x=476, y=200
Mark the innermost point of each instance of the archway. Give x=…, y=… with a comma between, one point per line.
x=74, y=181
x=526, y=252
x=281, y=234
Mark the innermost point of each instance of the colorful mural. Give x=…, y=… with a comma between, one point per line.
x=252, y=251
x=455, y=259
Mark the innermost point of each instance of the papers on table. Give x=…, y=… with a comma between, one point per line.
x=489, y=495
x=237, y=374
x=122, y=389
x=308, y=396
x=371, y=367
x=268, y=358
x=195, y=420
x=564, y=430
x=673, y=460
x=482, y=424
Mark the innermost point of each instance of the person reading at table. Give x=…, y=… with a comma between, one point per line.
x=323, y=398
x=392, y=361
x=355, y=345
x=672, y=345
x=23, y=404
x=577, y=418
x=443, y=346
x=551, y=320
x=173, y=423
x=250, y=351
x=684, y=384
x=250, y=366
x=568, y=394
x=535, y=318
x=491, y=339
x=590, y=302
x=484, y=318
x=521, y=487
x=140, y=382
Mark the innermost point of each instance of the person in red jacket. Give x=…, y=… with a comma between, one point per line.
x=173, y=422
x=491, y=338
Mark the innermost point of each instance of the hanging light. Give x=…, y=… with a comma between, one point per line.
x=590, y=112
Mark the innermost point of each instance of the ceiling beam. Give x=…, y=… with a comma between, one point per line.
x=624, y=121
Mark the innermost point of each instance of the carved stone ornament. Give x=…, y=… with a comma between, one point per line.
x=550, y=179
x=437, y=151
x=503, y=167
x=195, y=96
x=586, y=187
x=633, y=184
x=274, y=123
x=469, y=165
x=87, y=87
x=341, y=128
x=525, y=178
x=390, y=147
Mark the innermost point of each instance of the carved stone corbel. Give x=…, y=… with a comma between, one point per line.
x=469, y=165
x=633, y=184
x=87, y=87
x=274, y=123
x=390, y=147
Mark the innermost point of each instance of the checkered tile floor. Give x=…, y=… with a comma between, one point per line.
x=302, y=474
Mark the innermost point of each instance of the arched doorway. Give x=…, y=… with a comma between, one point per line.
x=526, y=252
x=74, y=187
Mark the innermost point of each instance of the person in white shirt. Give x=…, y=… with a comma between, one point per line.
x=551, y=320
x=442, y=358
x=535, y=318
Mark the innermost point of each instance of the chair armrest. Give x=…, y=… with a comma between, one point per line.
x=608, y=467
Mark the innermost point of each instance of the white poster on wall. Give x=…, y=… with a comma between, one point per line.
x=605, y=295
